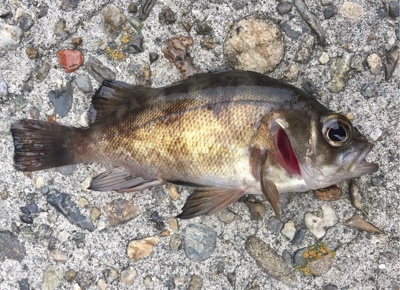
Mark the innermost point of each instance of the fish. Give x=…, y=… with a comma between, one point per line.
x=226, y=133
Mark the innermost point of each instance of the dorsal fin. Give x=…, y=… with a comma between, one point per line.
x=113, y=98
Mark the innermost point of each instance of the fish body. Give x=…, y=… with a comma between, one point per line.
x=227, y=133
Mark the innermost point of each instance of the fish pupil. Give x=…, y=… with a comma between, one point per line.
x=337, y=134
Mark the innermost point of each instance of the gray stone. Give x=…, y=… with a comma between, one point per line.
x=232, y=279
x=66, y=170
x=20, y=103
x=204, y=29
x=287, y=257
x=84, y=83
x=25, y=22
x=284, y=7
x=199, y=242
x=63, y=203
x=392, y=58
x=135, y=46
x=24, y=284
x=333, y=287
x=394, y=10
x=145, y=9
x=10, y=247
x=238, y=4
x=69, y=5
x=327, y=2
x=368, y=90
x=329, y=12
x=60, y=29
x=132, y=8
x=62, y=99
x=298, y=256
x=112, y=20
x=269, y=261
x=136, y=23
x=43, y=71
x=3, y=88
x=51, y=277
x=274, y=225
x=110, y=275
x=167, y=16
x=10, y=37
x=289, y=31
x=226, y=216
x=299, y=236
x=98, y=71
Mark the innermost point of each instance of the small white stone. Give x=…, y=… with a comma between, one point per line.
x=324, y=58
x=102, y=284
x=329, y=216
x=18, y=14
x=3, y=87
x=59, y=255
x=289, y=230
x=382, y=266
x=101, y=225
x=63, y=236
x=376, y=134
x=317, y=224
x=128, y=276
x=198, y=14
x=39, y=182
x=179, y=280
x=77, y=287
x=83, y=120
x=352, y=10
x=59, y=83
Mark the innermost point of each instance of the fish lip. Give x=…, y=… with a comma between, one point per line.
x=360, y=164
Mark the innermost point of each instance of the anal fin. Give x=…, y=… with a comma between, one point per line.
x=119, y=180
x=208, y=200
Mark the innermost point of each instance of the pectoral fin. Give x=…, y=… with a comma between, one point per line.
x=121, y=181
x=270, y=192
x=208, y=200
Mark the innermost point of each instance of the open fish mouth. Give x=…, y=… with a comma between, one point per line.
x=284, y=154
x=360, y=166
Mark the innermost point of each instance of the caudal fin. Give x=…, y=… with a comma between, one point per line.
x=41, y=145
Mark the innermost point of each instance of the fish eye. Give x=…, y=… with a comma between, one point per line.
x=337, y=130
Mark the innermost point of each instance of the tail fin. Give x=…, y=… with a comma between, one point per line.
x=41, y=145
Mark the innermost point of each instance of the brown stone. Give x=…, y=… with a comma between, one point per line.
x=256, y=209
x=71, y=60
x=95, y=214
x=329, y=193
x=139, y=249
x=77, y=41
x=32, y=53
x=358, y=222
x=173, y=193
x=70, y=275
x=121, y=211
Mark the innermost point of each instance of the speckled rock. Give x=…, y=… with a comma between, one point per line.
x=112, y=20
x=132, y=8
x=70, y=275
x=10, y=247
x=121, y=211
x=352, y=10
x=199, y=242
x=254, y=44
x=167, y=16
x=31, y=53
x=270, y=262
x=85, y=279
x=175, y=242
x=140, y=249
x=10, y=37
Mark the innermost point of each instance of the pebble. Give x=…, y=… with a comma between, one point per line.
x=112, y=20
x=309, y=86
x=292, y=73
x=187, y=26
x=204, y=29
x=324, y=58
x=26, y=219
x=255, y=45
x=394, y=10
x=269, y=261
x=232, y=279
x=20, y=103
x=374, y=63
x=69, y=5
x=175, y=50
x=10, y=37
x=42, y=10
x=132, y=8
x=167, y=16
x=23, y=284
x=392, y=58
x=358, y=222
x=329, y=287
x=76, y=41
x=102, y=284
x=173, y=193
x=274, y=225
x=207, y=43
x=59, y=255
x=298, y=256
x=146, y=281
x=284, y=7
x=368, y=90
x=321, y=266
x=3, y=88
x=153, y=56
x=63, y=236
x=198, y=15
x=357, y=63
x=376, y=134
x=32, y=207
x=299, y=236
x=135, y=46
x=63, y=203
x=199, y=242
x=329, y=12
x=25, y=22
x=339, y=71
x=355, y=196
x=136, y=24
x=83, y=83
x=111, y=275
x=140, y=249
x=82, y=202
x=145, y=9
x=121, y=211
x=329, y=193
x=327, y=2
x=51, y=277
x=62, y=99
x=289, y=230
x=226, y=216
x=43, y=71
x=173, y=224
x=196, y=283
x=32, y=53
x=311, y=20
x=352, y=10
x=98, y=71
x=66, y=170
x=95, y=214
x=71, y=60
x=76, y=287
x=175, y=242
x=128, y=276
x=60, y=29
x=256, y=209
x=11, y=248
x=85, y=279
x=289, y=31
x=305, y=50
x=25, y=210
x=317, y=224
x=4, y=195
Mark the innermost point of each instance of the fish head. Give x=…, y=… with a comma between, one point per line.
x=320, y=148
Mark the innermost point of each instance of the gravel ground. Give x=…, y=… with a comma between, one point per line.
x=362, y=259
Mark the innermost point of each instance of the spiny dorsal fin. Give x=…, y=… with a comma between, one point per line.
x=113, y=98
x=208, y=200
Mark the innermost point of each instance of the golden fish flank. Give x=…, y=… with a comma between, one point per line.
x=226, y=133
